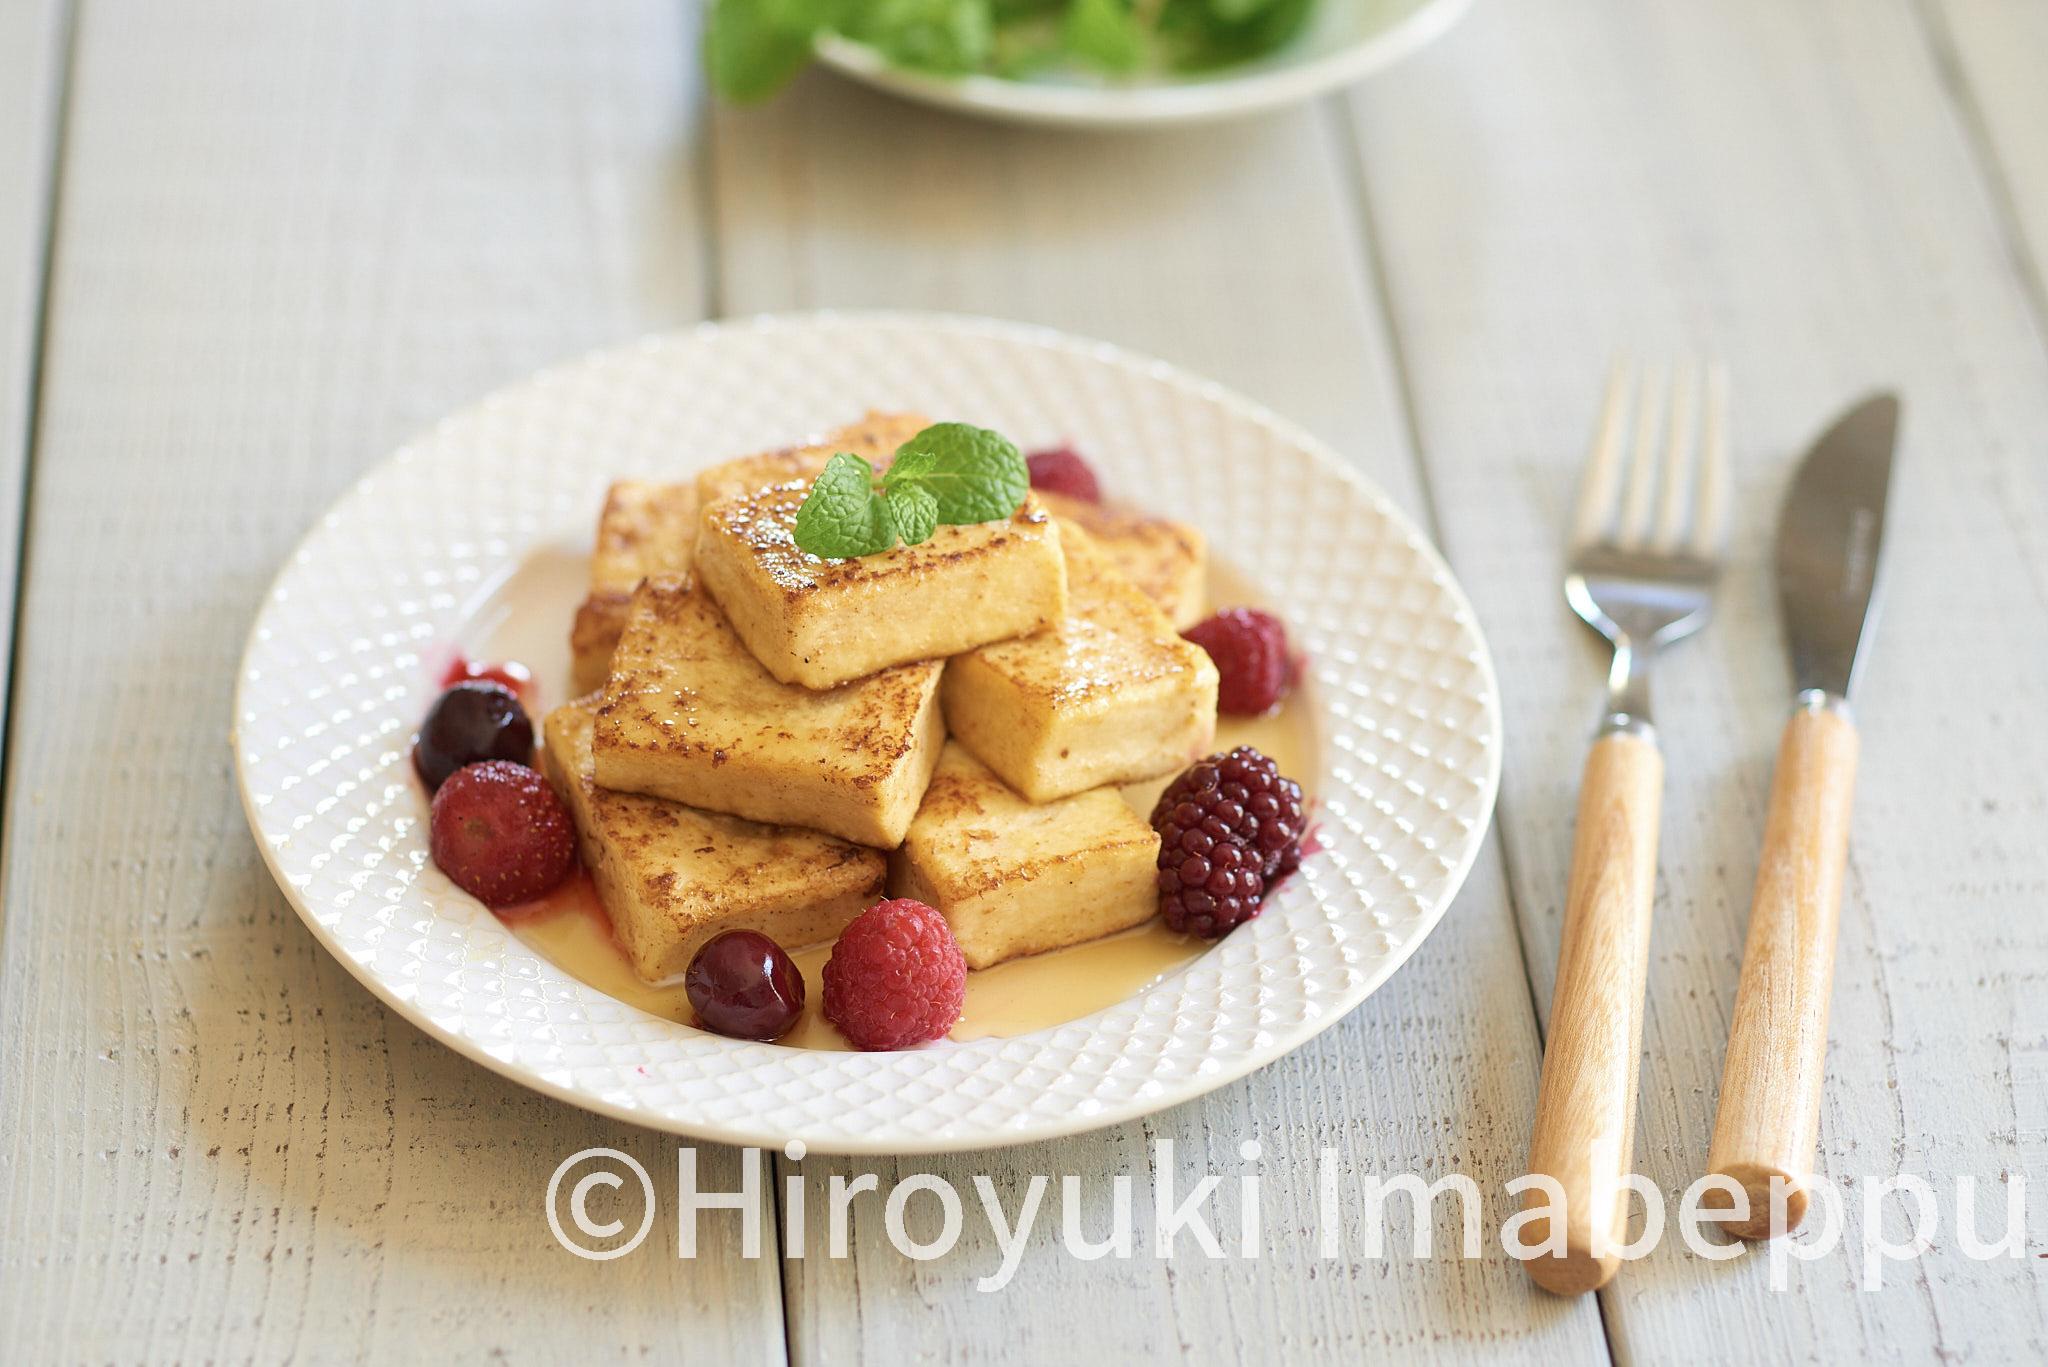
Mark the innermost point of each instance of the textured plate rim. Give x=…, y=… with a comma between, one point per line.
x=768, y=1137
x=1158, y=105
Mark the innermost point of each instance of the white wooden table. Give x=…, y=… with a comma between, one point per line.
x=245, y=249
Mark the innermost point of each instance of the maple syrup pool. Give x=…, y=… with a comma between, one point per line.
x=525, y=618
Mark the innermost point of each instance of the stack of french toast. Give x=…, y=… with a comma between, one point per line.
x=772, y=741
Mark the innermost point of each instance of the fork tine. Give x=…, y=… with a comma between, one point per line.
x=1642, y=473
x=1603, y=464
x=1675, y=482
x=1710, y=513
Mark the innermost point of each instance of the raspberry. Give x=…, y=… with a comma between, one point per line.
x=1250, y=651
x=1250, y=802
x=896, y=977
x=1062, y=471
x=498, y=830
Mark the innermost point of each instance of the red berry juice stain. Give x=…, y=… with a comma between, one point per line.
x=510, y=673
x=1311, y=844
x=575, y=895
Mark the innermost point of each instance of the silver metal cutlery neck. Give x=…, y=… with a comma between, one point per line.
x=1651, y=526
x=1821, y=700
x=1628, y=693
x=1623, y=724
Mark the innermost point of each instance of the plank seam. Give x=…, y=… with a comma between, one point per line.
x=1954, y=81
x=773, y=1163
x=45, y=237
x=1352, y=161
x=1353, y=170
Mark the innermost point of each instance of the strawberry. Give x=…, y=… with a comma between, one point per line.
x=499, y=831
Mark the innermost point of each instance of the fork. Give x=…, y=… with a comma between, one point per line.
x=1647, y=545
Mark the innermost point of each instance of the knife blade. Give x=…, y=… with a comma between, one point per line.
x=1829, y=535
x=1767, y=1120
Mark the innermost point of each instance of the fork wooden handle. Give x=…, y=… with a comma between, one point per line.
x=1586, y=1108
x=1769, y=1112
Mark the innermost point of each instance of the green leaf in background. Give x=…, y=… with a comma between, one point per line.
x=749, y=54
x=1028, y=38
x=977, y=475
x=1007, y=11
x=1238, y=11
x=841, y=517
x=808, y=16
x=1105, y=33
x=754, y=47
x=944, y=36
x=1200, y=38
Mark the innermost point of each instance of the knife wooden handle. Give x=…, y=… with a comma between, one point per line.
x=1584, y=1135
x=1769, y=1112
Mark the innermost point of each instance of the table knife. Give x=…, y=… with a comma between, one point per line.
x=1827, y=552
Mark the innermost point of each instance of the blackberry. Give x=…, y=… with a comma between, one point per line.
x=1261, y=807
x=1208, y=884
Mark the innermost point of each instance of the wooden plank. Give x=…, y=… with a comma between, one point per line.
x=1231, y=251
x=32, y=41
x=1784, y=185
x=291, y=236
x=1991, y=53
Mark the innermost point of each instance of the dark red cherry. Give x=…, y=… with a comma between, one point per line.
x=743, y=985
x=473, y=721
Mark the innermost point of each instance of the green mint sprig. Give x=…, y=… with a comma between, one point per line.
x=950, y=474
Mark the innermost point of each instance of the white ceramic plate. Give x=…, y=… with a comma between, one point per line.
x=424, y=555
x=1344, y=41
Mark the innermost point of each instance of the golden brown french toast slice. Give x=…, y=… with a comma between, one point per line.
x=651, y=528
x=1012, y=877
x=874, y=438
x=820, y=622
x=672, y=876
x=645, y=528
x=1110, y=693
x=1167, y=560
x=689, y=714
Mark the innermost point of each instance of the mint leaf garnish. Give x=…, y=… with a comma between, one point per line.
x=841, y=517
x=914, y=510
x=950, y=474
x=978, y=475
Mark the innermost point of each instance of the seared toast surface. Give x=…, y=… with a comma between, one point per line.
x=819, y=622
x=689, y=714
x=645, y=528
x=1168, y=561
x=1111, y=693
x=672, y=876
x=1014, y=877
